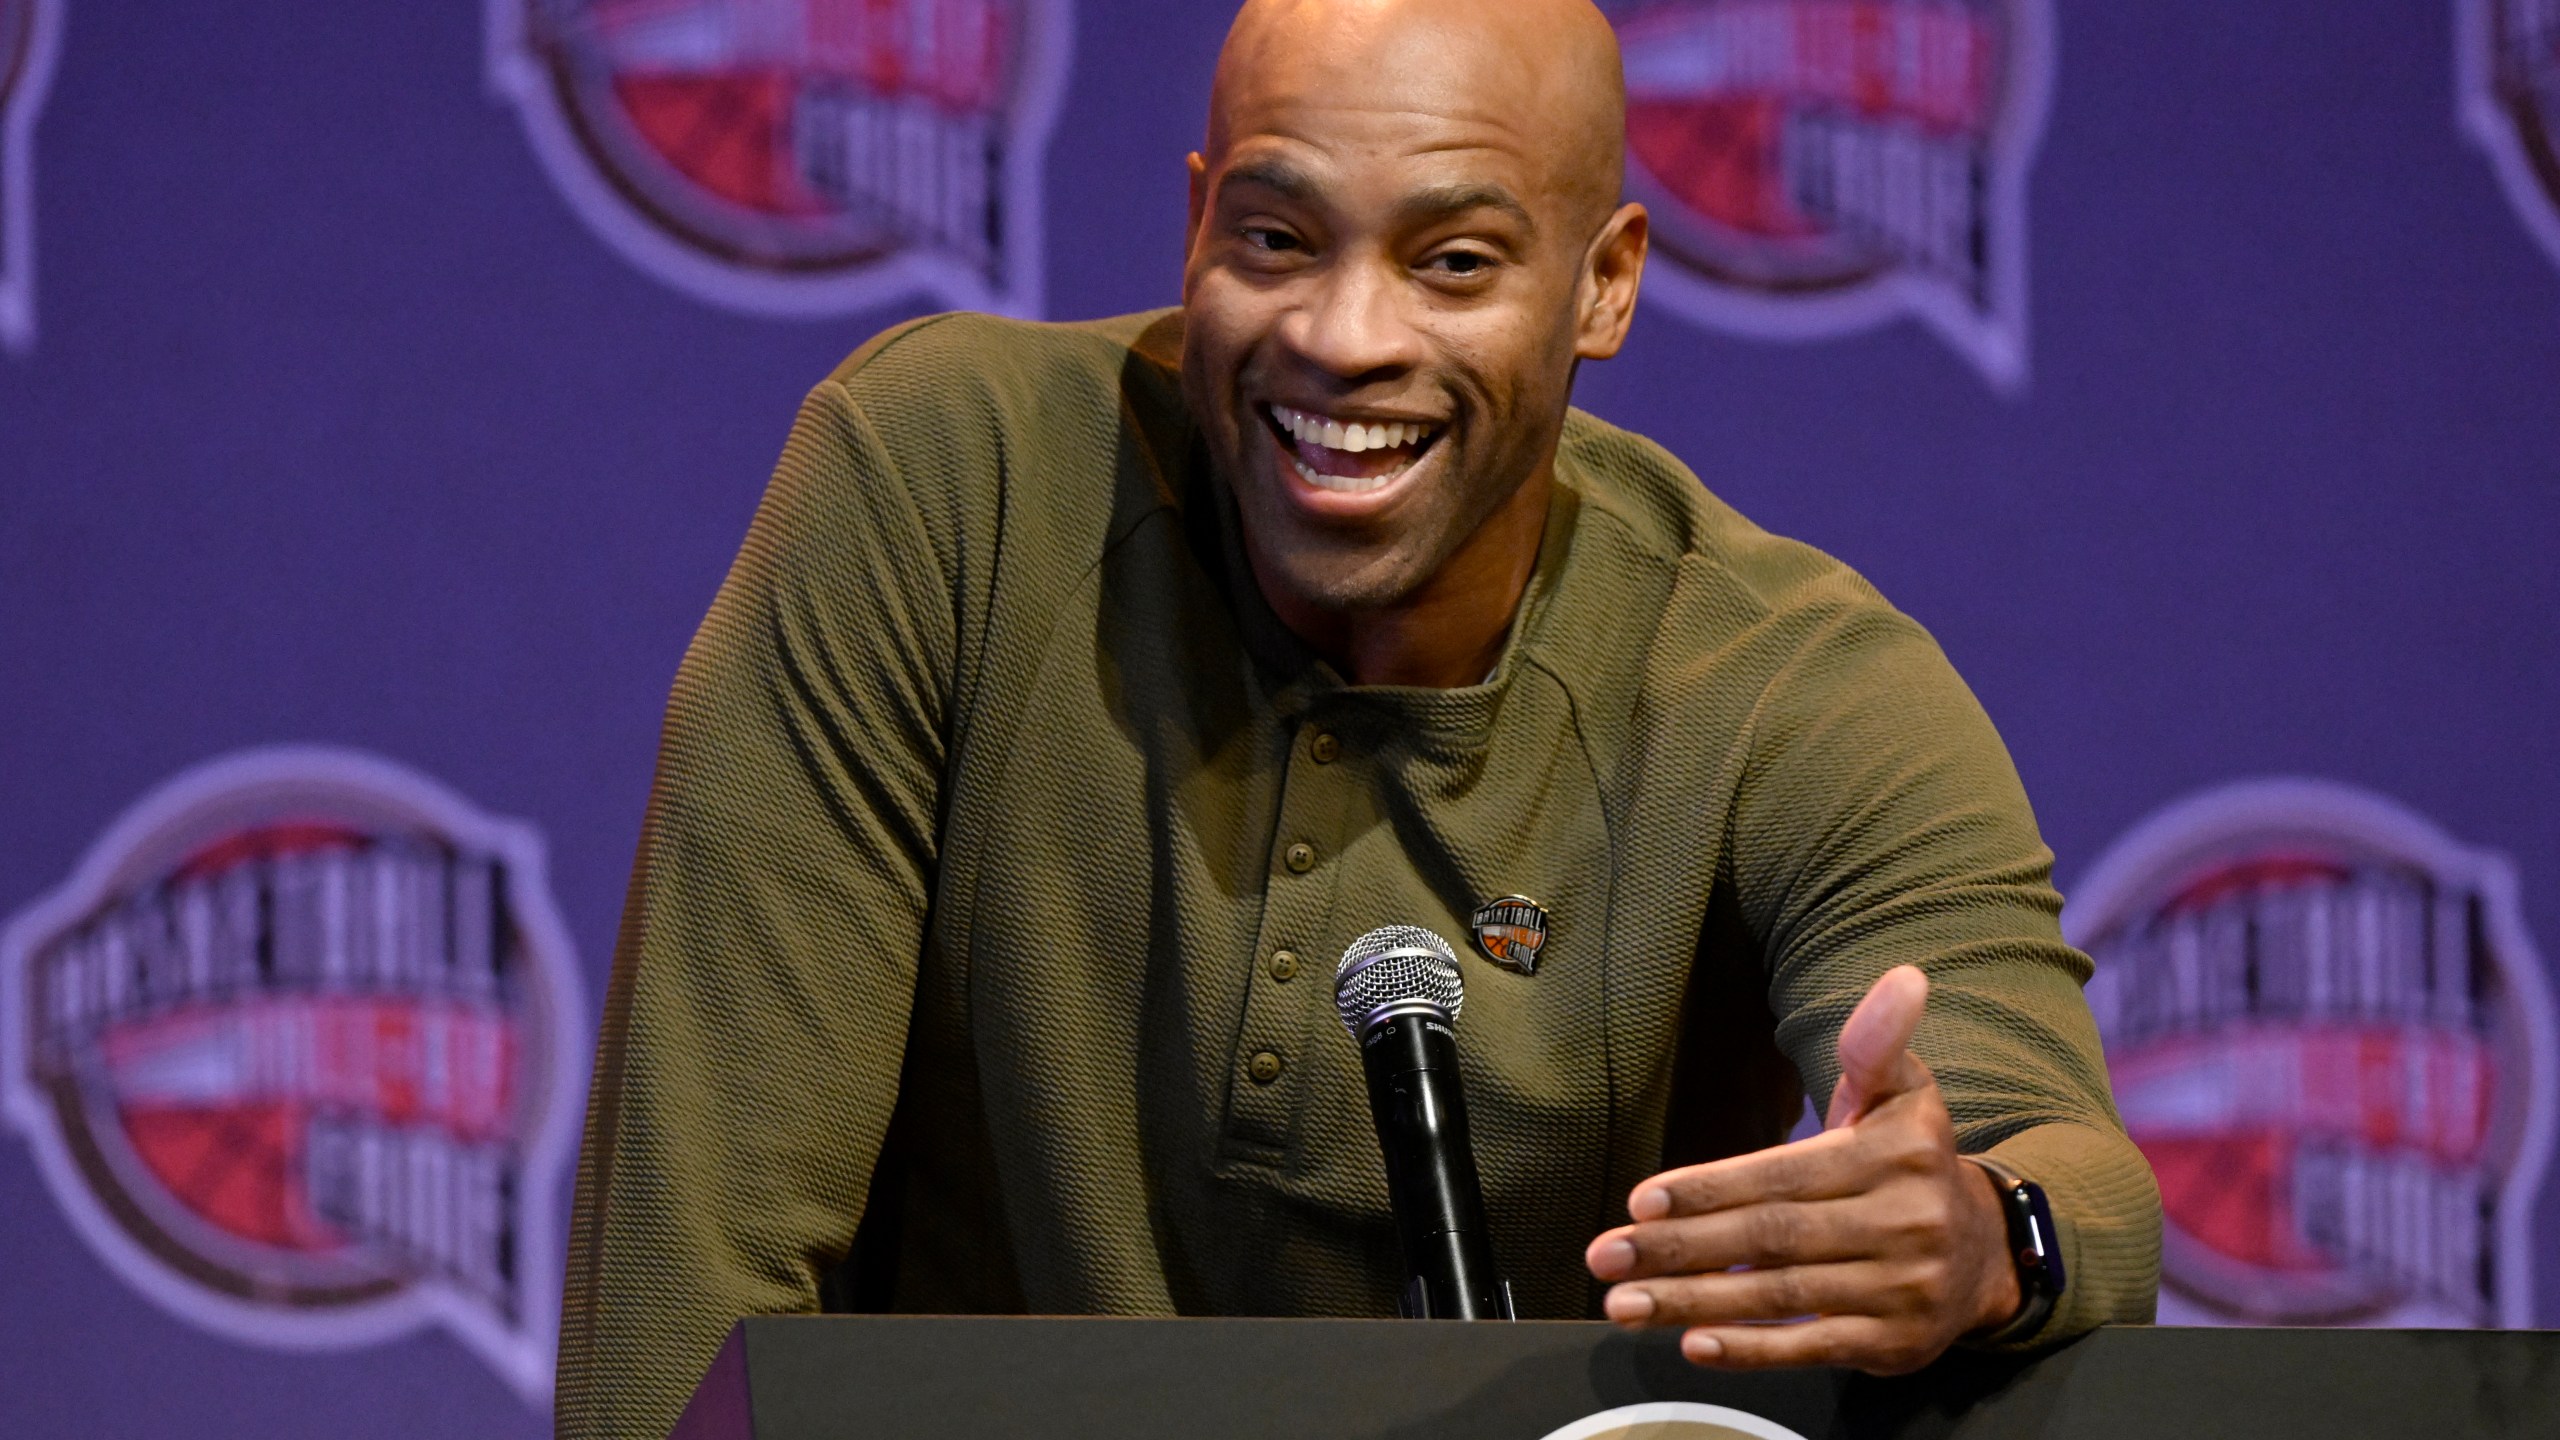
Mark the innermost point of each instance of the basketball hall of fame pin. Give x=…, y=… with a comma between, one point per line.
x=2331, y=1036
x=1816, y=167
x=798, y=157
x=29, y=32
x=298, y=1051
x=1511, y=931
x=2508, y=74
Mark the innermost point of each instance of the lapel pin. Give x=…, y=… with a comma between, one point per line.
x=1511, y=931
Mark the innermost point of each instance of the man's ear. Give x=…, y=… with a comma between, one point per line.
x=1612, y=270
x=1199, y=201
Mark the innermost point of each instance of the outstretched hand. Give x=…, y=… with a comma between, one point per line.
x=1873, y=1235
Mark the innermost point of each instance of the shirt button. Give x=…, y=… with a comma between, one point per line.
x=1284, y=965
x=1265, y=1067
x=1324, y=747
x=1301, y=857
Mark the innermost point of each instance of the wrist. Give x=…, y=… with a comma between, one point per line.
x=1998, y=1297
x=2035, y=1254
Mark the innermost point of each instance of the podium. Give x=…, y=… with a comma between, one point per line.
x=989, y=1378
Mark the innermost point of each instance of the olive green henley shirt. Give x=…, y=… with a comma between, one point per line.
x=978, y=949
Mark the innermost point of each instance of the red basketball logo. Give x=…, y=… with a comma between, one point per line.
x=798, y=156
x=296, y=1048
x=2330, y=1034
x=2510, y=76
x=1821, y=166
x=28, y=31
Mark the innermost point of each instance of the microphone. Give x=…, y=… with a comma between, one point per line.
x=1399, y=992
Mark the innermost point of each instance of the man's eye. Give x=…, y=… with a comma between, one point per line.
x=1463, y=263
x=1277, y=242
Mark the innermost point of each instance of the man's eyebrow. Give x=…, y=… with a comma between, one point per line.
x=1445, y=202
x=1422, y=207
x=1279, y=176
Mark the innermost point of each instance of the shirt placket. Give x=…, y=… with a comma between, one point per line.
x=1301, y=883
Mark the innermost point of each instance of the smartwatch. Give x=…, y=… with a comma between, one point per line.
x=2034, y=1249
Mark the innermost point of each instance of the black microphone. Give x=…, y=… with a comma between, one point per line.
x=1399, y=992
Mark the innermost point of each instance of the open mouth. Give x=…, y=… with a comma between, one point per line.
x=1349, y=457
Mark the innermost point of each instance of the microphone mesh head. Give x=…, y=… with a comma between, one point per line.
x=1396, y=963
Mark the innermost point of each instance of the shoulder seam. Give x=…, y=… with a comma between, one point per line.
x=856, y=418
x=881, y=344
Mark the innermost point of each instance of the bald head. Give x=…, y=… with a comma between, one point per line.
x=1544, y=71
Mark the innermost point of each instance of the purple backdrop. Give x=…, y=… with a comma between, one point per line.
x=339, y=425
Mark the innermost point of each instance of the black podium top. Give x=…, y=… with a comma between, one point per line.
x=799, y=1378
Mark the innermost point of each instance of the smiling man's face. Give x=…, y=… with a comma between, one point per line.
x=1390, y=278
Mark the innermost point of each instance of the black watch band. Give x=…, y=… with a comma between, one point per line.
x=2034, y=1249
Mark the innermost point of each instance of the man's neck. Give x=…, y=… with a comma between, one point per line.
x=1450, y=632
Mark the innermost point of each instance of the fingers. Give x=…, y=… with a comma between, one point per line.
x=1846, y=1161
x=1879, y=1347
x=1879, y=1030
x=1820, y=1167
x=1780, y=1233
x=1781, y=1293
x=1910, y=1213
x=1871, y=1315
x=1859, y=1227
x=1875, y=1045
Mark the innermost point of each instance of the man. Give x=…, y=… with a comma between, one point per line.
x=1080, y=691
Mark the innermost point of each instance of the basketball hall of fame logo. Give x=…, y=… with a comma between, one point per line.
x=1816, y=167
x=2509, y=78
x=297, y=1049
x=798, y=157
x=29, y=31
x=2331, y=1036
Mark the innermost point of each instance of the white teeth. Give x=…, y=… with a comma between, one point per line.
x=1353, y=437
x=1345, y=484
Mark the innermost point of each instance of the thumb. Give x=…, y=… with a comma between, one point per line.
x=1875, y=1046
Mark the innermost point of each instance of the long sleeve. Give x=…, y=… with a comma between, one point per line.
x=1881, y=822
x=762, y=985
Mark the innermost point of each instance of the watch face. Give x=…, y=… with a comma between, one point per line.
x=2041, y=1242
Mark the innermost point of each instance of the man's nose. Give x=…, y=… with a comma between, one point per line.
x=1353, y=324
